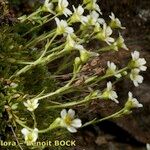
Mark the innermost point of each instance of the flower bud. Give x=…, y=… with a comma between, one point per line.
x=85, y=55
x=77, y=64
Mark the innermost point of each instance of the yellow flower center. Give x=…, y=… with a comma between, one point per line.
x=29, y=137
x=68, y=120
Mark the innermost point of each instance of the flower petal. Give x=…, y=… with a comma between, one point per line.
x=35, y=134
x=71, y=129
x=71, y=113
x=25, y=132
x=76, y=123
x=135, y=55
x=63, y=113
x=109, y=86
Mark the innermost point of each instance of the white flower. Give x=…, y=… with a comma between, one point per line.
x=105, y=33
x=119, y=44
x=138, y=62
x=112, y=69
x=115, y=22
x=148, y=146
x=71, y=44
x=92, y=5
x=93, y=18
x=62, y=27
x=62, y=7
x=68, y=120
x=30, y=136
x=31, y=104
x=109, y=93
x=135, y=77
x=48, y=6
x=132, y=102
x=77, y=15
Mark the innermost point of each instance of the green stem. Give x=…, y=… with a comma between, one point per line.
x=40, y=25
x=32, y=29
x=44, y=60
x=40, y=38
x=47, y=46
x=98, y=79
x=94, y=121
x=54, y=125
x=60, y=47
x=22, y=124
x=70, y=104
x=33, y=14
x=59, y=91
x=72, y=79
x=52, y=57
x=105, y=49
x=34, y=119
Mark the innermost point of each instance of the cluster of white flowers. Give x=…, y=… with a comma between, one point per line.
x=109, y=93
x=137, y=65
x=102, y=32
x=67, y=120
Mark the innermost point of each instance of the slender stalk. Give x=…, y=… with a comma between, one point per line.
x=36, y=27
x=34, y=119
x=94, y=121
x=105, y=49
x=44, y=60
x=33, y=14
x=70, y=104
x=59, y=91
x=16, y=138
x=47, y=46
x=40, y=38
x=22, y=124
x=98, y=79
x=52, y=126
